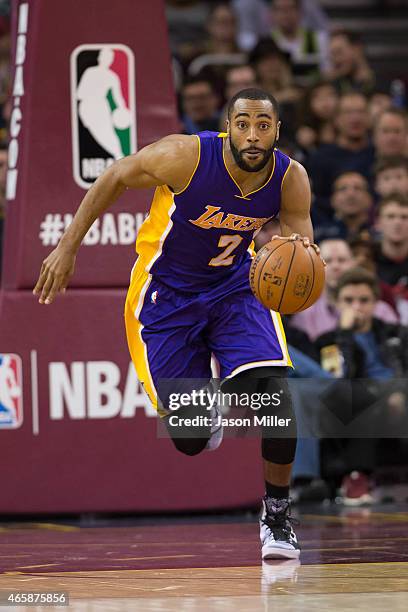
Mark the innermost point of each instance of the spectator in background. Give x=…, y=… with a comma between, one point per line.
x=362, y=347
x=253, y=22
x=222, y=29
x=351, y=202
x=363, y=249
x=200, y=106
x=220, y=48
x=307, y=47
x=273, y=71
x=186, y=22
x=323, y=316
x=391, y=176
x=352, y=150
x=379, y=102
x=392, y=252
x=349, y=67
x=274, y=75
x=238, y=78
x=313, y=16
x=307, y=380
x=390, y=133
x=316, y=116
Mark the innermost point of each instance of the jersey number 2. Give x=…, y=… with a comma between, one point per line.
x=225, y=258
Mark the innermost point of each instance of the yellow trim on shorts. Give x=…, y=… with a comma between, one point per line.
x=149, y=246
x=283, y=344
x=256, y=364
x=136, y=344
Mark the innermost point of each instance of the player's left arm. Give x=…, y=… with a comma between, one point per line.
x=294, y=213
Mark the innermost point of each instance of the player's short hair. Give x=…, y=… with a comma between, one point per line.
x=390, y=163
x=357, y=276
x=392, y=198
x=252, y=93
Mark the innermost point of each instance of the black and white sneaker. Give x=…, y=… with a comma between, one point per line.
x=277, y=536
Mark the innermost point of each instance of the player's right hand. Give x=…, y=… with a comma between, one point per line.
x=305, y=240
x=55, y=273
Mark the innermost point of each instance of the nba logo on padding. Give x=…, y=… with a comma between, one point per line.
x=11, y=391
x=103, y=108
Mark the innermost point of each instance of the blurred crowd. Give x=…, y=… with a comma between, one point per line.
x=349, y=127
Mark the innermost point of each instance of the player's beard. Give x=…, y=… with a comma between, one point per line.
x=241, y=163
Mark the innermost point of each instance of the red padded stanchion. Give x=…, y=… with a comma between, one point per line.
x=92, y=82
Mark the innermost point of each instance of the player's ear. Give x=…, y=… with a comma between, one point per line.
x=227, y=123
x=278, y=130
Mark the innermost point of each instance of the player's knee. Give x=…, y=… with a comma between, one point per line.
x=279, y=433
x=188, y=431
x=279, y=450
x=277, y=400
x=270, y=389
x=276, y=410
x=255, y=378
x=190, y=446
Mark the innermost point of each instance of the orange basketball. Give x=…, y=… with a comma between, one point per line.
x=286, y=276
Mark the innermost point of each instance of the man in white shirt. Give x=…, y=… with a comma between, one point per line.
x=304, y=45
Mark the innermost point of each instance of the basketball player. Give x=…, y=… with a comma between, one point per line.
x=189, y=295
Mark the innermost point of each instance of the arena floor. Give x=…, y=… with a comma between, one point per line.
x=351, y=560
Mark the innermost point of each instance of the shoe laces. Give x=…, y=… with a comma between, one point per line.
x=280, y=524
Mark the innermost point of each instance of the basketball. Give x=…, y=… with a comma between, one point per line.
x=286, y=276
